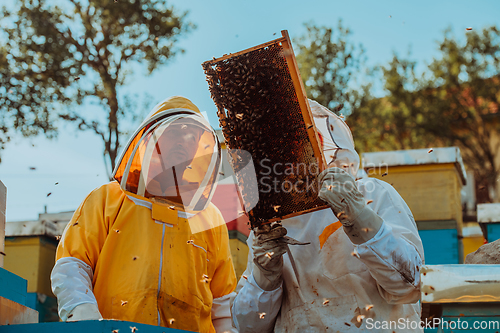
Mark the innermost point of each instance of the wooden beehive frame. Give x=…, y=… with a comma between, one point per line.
x=311, y=130
x=299, y=89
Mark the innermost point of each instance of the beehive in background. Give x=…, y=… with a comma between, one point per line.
x=30, y=248
x=488, y=217
x=460, y=298
x=473, y=237
x=13, y=299
x=13, y=294
x=430, y=182
x=239, y=252
x=263, y=110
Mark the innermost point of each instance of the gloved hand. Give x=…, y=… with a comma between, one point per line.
x=268, y=253
x=85, y=311
x=339, y=190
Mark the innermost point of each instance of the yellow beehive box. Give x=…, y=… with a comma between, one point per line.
x=473, y=237
x=30, y=249
x=429, y=181
x=239, y=253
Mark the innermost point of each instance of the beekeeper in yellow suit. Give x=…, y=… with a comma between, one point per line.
x=150, y=247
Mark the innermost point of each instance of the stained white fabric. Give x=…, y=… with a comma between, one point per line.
x=339, y=192
x=221, y=314
x=85, y=311
x=260, y=307
x=71, y=280
x=340, y=280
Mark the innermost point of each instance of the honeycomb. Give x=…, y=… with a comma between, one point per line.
x=260, y=113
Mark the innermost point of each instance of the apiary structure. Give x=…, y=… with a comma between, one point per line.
x=488, y=217
x=460, y=298
x=30, y=248
x=13, y=293
x=430, y=181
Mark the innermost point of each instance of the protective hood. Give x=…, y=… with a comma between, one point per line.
x=172, y=159
x=335, y=139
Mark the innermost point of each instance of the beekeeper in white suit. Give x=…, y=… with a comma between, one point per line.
x=360, y=271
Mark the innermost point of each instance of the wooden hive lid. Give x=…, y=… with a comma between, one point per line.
x=416, y=157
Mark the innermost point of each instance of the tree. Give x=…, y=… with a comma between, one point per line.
x=327, y=61
x=329, y=67
x=81, y=51
x=24, y=106
x=393, y=122
x=461, y=104
x=455, y=102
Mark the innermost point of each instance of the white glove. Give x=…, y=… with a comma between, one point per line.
x=85, y=311
x=268, y=252
x=339, y=191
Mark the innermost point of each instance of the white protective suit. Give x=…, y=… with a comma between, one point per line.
x=343, y=287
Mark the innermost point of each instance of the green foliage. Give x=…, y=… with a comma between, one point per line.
x=393, y=122
x=455, y=101
x=81, y=50
x=24, y=105
x=461, y=103
x=327, y=62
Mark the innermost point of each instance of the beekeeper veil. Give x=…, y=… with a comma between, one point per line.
x=335, y=139
x=173, y=158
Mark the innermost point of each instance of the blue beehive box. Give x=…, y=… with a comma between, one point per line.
x=430, y=182
x=441, y=242
x=13, y=287
x=13, y=299
x=488, y=217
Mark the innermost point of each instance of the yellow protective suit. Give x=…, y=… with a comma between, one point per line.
x=152, y=261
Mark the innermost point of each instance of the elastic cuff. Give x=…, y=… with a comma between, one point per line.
x=85, y=311
x=267, y=285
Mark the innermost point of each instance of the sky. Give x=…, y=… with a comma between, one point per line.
x=57, y=174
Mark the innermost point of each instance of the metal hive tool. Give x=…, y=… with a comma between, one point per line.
x=263, y=110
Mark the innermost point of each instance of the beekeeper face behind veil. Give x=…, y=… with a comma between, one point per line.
x=335, y=138
x=173, y=158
